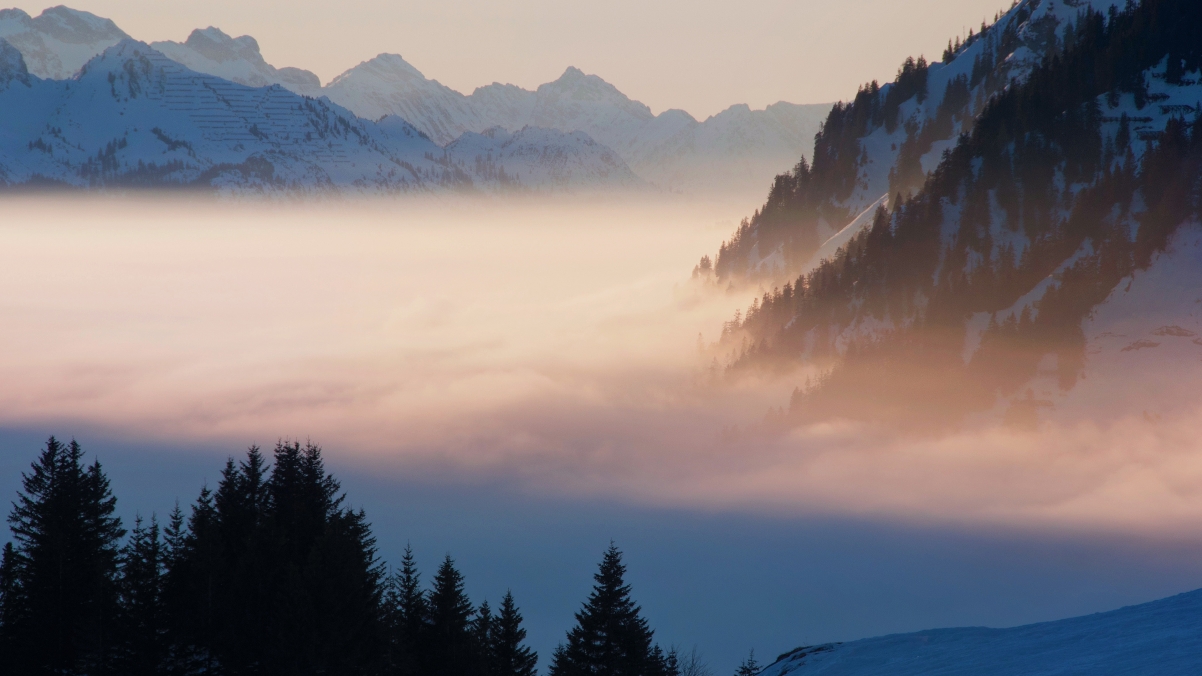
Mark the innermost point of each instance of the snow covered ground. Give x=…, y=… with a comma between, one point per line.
x=1162, y=637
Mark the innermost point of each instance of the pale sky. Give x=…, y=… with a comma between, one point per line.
x=701, y=56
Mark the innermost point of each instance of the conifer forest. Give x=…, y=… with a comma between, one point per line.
x=268, y=573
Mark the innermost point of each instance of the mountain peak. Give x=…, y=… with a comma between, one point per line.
x=388, y=67
x=212, y=51
x=15, y=14
x=574, y=79
x=12, y=64
x=215, y=44
x=59, y=40
x=76, y=26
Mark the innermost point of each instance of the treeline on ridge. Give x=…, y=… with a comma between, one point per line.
x=815, y=193
x=1066, y=186
x=270, y=573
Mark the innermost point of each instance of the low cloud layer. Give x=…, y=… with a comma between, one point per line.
x=552, y=347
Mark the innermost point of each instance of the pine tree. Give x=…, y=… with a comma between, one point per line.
x=12, y=605
x=483, y=627
x=326, y=609
x=143, y=648
x=60, y=574
x=408, y=614
x=274, y=575
x=610, y=638
x=672, y=664
x=449, y=645
x=509, y=656
x=749, y=667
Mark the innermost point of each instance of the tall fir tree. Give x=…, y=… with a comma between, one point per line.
x=275, y=575
x=60, y=574
x=408, y=613
x=143, y=646
x=510, y=657
x=449, y=646
x=483, y=628
x=611, y=638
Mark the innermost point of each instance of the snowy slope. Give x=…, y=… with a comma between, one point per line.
x=59, y=41
x=212, y=52
x=1162, y=637
x=543, y=157
x=389, y=85
x=989, y=61
x=737, y=149
x=1143, y=346
x=133, y=117
x=1040, y=21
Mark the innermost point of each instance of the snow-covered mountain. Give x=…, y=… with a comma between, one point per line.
x=888, y=138
x=212, y=52
x=1162, y=637
x=133, y=117
x=989, y=209
x=59, y=41
x=543, y=157
x=388, y=85
x=735, y=151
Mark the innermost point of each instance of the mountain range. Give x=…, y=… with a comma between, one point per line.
x=733, y=152
x=132, y=117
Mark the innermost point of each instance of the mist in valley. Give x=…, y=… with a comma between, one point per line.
x=557, y=347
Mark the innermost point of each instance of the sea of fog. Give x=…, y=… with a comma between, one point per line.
x=519, y=381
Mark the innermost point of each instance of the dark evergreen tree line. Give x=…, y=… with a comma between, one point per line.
x=270, y=573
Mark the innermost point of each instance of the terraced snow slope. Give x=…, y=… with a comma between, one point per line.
x=133, y=117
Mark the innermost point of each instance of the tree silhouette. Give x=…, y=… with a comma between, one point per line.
x=610, y=638
x=59, y=584
x=509, y=656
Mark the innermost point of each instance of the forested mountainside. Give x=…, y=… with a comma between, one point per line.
x=889, y=137
x=1066, y=182
x=1162, y=637
x=134, y=118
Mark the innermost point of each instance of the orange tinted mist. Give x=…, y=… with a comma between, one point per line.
x=553, y=345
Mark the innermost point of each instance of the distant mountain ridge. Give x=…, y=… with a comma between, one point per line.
x=132, y=118
x=736, y=150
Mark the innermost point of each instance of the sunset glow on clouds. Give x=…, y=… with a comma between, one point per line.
x=555, y=349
